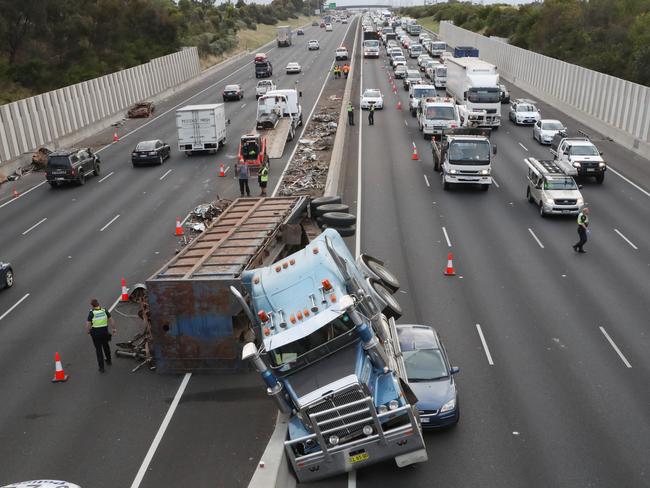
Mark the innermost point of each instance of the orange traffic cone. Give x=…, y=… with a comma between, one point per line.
x=222, y=173
x=179, y=227
x=450, y=265
x=59, y=374
x=415, y=156
x=115, y=136
x=15, y=192
x=394, y=89
x=399, y=105
x=125, y=292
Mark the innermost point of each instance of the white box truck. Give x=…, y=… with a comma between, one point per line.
x=474, y=84
x=201, y=127
x=284, y=36
x=279, y=114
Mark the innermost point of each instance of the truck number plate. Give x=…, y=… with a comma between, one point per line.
x=359, y=457
x=591, y=170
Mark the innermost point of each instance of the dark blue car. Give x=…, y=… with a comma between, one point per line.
x=430, y=376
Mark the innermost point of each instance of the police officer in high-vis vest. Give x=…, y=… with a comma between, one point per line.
x=97, y=326
x=263, y=178
x=583, y=224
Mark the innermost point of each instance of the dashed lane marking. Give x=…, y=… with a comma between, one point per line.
x=536, y=238
x=34, y=226
x=14, y=306
x=485, y=346
x=615, y=347
x=109, y=223
x=626, y=239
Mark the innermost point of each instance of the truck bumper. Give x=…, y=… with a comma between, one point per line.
x=467, y=179
x=403, y=443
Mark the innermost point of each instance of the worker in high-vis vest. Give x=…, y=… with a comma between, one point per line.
x=583, y=230
x=99, y=319
x=350, y=110
x=263, y=178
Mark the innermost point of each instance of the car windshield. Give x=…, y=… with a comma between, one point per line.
x=560, y=184
x=583, y=151
x=423, y=92
x=525, y=108
x=58, y=162
x=484, y=95
x=372, y=94
x=414, y=74
x=439, y=45
x=146, y=146
x=469, y=152
x=290, y=353
x=425, y=365
x=440, y=113
x=552, y=126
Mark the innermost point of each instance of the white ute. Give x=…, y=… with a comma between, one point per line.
x=262, y=87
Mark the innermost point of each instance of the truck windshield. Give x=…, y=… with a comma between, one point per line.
x=441, y=72
x=439, y=46
x=469, y=152
x=423, y=92
x=560, y=184
x=371, y=44
x=440, y=113
x=583, y=151
x=484, y=95
x=291, y=354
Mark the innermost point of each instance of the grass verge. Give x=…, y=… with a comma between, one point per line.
x=429, y=23
x=252, y=39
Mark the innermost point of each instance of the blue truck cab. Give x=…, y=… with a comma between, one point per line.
x=330, y=358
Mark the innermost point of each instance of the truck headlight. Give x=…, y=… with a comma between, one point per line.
x=450, y=405
x=453, y=171
x=485, y=171
x=333, y=440
x=367, y=430
x=382, y=409
x=393, y=404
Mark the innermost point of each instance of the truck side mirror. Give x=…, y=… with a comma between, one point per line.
x=494, y=149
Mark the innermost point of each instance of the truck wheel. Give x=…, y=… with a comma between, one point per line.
x=317, y=202
x=391, y=308
x=338, y=219
x=445, y=184
x=331, y=207
x=528, y=195
x=485, y=187
x=343, y=231
x=600, y=178
x=386, y=277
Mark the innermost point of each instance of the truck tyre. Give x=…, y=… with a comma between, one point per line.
x=343, y=231
x=485, y=187
x=391, y=308
x=381, y=273
x=445, y=184
x=331, y=207
x=600, y=178
x=317, y=202
x=528, y=195
x=338, y=219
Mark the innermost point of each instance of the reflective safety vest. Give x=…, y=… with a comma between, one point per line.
x=100, y=318
x=350, y=108
x=346, y=68
x=372, y=107
x=583, y=219
x=264, y=174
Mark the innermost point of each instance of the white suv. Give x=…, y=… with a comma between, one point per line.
x=341, y=53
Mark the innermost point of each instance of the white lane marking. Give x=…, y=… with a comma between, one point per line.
x=243, y=105
x=626, y=239
x=352, y=479
x=535, y=237
x=357, y=244
x=406, y=123
x=495, y=182
x=166, y=173
x=35, y=225
x=106, y=177
x=161, y=432
x=426, y=180
x=444, y=231
x=14, y=306
x=306, y=123
x=485, y=346
x=23, y=194
x=111, y=221
x=615, y=347
x=645, y=192
x=525, y=149
x=117, y=300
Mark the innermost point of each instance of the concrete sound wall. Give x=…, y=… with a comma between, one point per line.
x=47, y=119
x=614, y=107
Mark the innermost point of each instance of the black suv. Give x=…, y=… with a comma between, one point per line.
x=71, y=165
x=6, y=275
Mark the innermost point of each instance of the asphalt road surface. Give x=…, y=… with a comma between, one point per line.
x=68, y=245
x=555, y=392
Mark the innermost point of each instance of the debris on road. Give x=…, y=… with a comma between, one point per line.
x=200, y=219
x=141, y=109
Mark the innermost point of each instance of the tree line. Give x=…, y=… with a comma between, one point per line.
x=609, y=36
x=47, y=44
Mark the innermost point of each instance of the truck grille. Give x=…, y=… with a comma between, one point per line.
x=337, y=421
x=565, y=201
x=491, y=110
x=468, y=172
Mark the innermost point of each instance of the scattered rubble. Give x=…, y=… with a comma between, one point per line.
x=200, y=219
x=307, y=172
